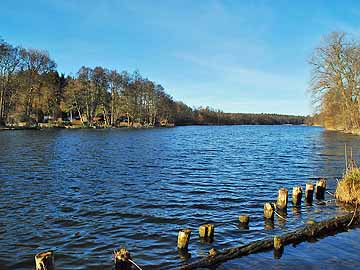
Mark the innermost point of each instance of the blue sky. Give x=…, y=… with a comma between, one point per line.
x=237, y=56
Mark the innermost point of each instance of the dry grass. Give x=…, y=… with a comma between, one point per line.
x=348, y=188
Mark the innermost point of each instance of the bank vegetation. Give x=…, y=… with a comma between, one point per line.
x=33, y=92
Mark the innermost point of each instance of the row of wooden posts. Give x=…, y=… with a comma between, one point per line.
x=207, y=230
x=122, y=258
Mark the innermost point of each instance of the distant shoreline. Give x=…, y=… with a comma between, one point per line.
x=14, y=128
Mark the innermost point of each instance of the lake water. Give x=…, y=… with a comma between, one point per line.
x=84, y=193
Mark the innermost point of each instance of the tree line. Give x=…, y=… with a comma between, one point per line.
x=335, y=82
x=32, y=91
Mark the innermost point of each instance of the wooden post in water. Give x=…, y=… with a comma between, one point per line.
x=206, y=231
x=282, y=200
x=244, y=220
x=45, y=261
x=309, y=193
x=278, y=247
x=320, y=189
x=297, y=195
x=268, y=211
x=183, y=239
x=121, y=258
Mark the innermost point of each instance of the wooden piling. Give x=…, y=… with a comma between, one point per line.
x=282, y=200
x=45, y=261
x=121, y=258
x=183, y=239
x=207, y=231
x=320, y=189
x=309, y=193
x=307, y=233
x=244, y=220
x=184, y=254
x=278, y=247
x=296, y=195
x=268, y=211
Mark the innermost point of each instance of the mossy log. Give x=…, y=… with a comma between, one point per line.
x=319, y=229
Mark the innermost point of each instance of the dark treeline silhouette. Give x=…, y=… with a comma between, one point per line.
x=32, y=91
x=208, y=116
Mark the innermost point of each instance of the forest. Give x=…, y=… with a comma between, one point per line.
x=32, y=92
x=335, y=83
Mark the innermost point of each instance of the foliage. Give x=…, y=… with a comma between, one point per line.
x=32, y=91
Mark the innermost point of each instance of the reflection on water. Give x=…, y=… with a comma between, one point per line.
x=84, y=193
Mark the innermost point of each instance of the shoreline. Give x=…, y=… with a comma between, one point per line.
x=351, y=131
x=43, y=127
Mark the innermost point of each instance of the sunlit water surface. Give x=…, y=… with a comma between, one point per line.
x=84, y=193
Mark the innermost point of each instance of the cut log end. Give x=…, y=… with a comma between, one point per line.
x=45, y=261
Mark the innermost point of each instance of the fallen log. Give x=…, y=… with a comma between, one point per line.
x=309, y=232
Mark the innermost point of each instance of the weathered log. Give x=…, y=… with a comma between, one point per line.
x=309, y=193
x=282, y=200
x=320, y=189
x=296, y=195
x=45, y=261
x=121, y=258
x=268, y=211
x=183, y=239
x=319, y=229
x=206, y=231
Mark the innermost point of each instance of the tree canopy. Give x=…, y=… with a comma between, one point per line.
x=33, y=91
x=335, y=82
